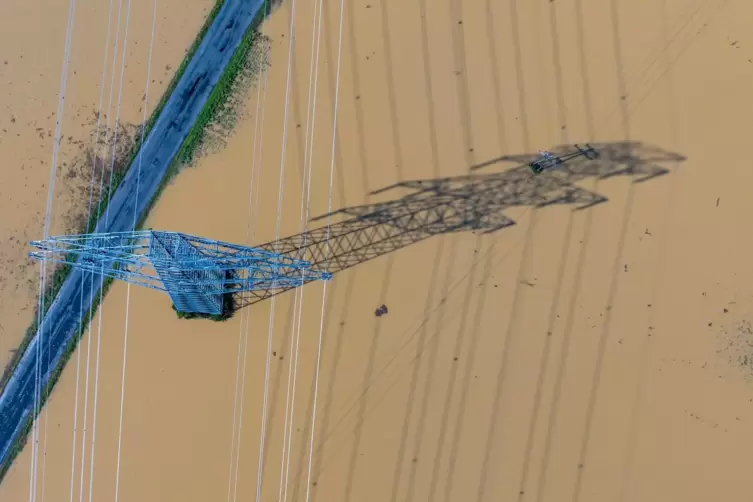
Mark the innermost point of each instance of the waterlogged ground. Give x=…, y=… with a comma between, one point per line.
x=600, y=354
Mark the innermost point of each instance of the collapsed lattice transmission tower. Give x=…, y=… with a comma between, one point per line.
x=197, y=273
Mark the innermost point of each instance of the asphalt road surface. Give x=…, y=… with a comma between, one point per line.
x=132, y=197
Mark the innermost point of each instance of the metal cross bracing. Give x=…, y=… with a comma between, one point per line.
x=194, y=271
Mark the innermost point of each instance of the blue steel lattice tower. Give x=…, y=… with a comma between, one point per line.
x=194, y=271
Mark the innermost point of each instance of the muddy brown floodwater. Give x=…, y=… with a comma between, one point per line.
x=587, y=355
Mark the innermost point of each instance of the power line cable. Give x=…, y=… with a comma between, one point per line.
x=326, y=252
x=43, y=266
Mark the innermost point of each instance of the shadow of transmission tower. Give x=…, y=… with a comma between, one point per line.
x=465, y=203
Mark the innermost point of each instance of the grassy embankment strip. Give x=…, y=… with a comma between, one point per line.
x=186, y=153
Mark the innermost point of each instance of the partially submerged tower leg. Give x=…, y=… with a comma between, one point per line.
x=192, y=290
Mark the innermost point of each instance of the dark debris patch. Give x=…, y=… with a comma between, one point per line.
x=736, y=345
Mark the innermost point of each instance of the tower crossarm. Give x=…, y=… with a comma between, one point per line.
x=116, y=256
x=194, y=271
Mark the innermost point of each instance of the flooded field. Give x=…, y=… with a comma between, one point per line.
x=33, y=36
x=531, y=351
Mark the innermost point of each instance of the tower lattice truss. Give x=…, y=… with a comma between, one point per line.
x=194, y=271
x=197, y=272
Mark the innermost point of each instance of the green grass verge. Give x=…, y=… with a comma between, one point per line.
x=210, y=113
x=185, y=155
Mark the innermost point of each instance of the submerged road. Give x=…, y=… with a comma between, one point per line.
x=132, y=197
